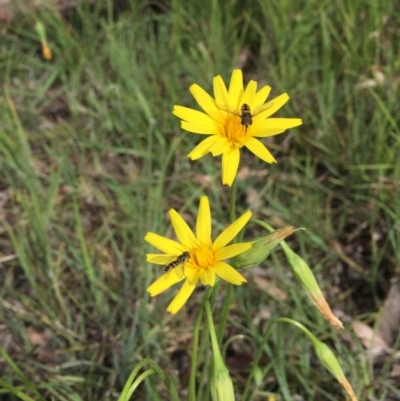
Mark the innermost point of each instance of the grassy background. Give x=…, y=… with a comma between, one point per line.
x=92, y=158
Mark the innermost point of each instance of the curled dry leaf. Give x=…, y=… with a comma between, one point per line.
x=270, y=288
x=379, y=340
x=389, y=320
x=370, y=338
x=36, y=337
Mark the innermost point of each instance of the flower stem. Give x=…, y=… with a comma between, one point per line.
x=224, y=313
x=195, y=349
x=195, y=353
x=228, y=298
x=214, y=342
x=232, y=205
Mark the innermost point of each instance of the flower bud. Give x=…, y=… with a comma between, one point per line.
x=329, y=360
x=261, y=248
x=258, y=376
x=221, y=386
x=221, y=383
x=41, y=31
x=301, y=271
x=306, y=278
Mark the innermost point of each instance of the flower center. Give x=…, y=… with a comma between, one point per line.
x=234, y=131
x=202, y=258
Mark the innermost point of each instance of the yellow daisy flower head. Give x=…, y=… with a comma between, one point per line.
x=195, y=256
x=234, y=118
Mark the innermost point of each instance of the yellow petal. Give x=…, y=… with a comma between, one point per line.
x=220, y=146
x=220, y=92
x=249, y=93
x=191, y=273
x=232, y=250
x=163, y=283
x=206, y=102
x=259, y=130
x=207, y=277
x=230, y=164
x=272, y=126
x=260, y=97
x=230, y=232
x=182, y=230
x=183, y=295
x=228, y=273
x=163, y=244
x=255, y=146
x=203, y=147
x=278, y=102
x=193, y=116
x=203, y=223
x=235, y=88
x=198, y=128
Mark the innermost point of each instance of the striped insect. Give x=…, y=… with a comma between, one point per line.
x=246, y=116
x=180, y=260
x=173, y=263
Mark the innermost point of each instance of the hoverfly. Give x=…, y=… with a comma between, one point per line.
x=180, y=260
x=246, y=116
x=176, y=263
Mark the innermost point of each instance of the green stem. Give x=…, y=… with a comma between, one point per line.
x=195, y=350
x=139, y=380
x=232, y=205
x=214, y=341
x=227, y=301
x=214, y=344
x=224, y=314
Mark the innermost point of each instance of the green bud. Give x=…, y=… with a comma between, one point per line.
x=328, y=359
x=301, y=271
x=258, y=376
x=261, y=248
x=41, y=31
x=221, y=383
x=306, y=278
x=221, y=386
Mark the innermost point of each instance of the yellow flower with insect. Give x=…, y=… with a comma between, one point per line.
x=234, y=118
x=195, y=257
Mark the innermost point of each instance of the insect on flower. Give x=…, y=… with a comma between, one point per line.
x=173, y=263
x=180, y=260
x=246, y=116
x=201, y=258
x=229, y=129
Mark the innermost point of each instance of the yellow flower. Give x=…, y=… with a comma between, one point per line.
x=223, y=121
x=206, y=258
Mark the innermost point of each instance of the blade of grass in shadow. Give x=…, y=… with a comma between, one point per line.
x=22, y=377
